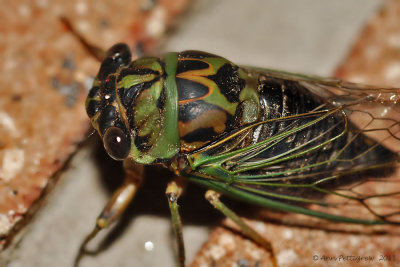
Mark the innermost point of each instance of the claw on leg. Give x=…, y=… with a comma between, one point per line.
x=82, y=249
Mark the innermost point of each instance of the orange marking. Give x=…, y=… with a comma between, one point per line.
x=193, y=75
x=211, y=119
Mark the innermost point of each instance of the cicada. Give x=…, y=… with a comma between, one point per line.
x=288, y=142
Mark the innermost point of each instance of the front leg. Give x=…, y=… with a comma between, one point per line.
x=117, y=203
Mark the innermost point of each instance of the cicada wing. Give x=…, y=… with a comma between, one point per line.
x=374, y=111
x=338, y=162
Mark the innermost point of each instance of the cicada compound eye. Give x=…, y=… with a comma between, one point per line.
x=116, y=143
x=120, y=53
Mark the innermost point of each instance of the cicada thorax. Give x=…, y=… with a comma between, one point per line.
x=213, y=99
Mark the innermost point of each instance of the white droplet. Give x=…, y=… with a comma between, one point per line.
x=148, y=245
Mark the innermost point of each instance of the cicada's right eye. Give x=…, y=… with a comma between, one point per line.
x=120, y=53
x=116, y=143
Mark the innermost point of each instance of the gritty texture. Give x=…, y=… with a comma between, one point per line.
x=304, y=36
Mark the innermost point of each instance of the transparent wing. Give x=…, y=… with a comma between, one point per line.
x=339, y=161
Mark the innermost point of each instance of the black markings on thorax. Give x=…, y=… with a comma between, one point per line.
x=229, y=82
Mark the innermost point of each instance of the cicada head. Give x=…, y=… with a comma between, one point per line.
x=127, y=106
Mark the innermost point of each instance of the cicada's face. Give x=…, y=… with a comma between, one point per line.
x=123, y=103
x=102, y=105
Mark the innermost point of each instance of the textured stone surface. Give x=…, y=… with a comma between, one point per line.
x=306, y=36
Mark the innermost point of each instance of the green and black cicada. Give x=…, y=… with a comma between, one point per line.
x=288, y=142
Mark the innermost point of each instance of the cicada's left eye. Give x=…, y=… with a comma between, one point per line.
x=119, y=55
x=116, y=143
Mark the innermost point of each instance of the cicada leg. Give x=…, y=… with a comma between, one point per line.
x=213, y=198
x=94, y=50
x=173, y=191
x=116, y=205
